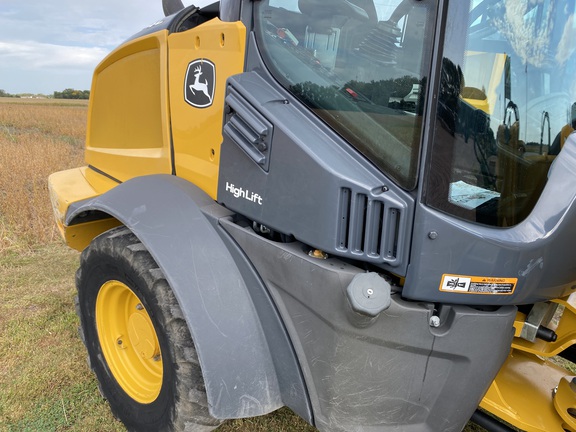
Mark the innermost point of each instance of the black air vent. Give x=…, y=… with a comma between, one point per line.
x=249, y=129
x=368, y=227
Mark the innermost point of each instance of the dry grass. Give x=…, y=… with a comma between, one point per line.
x=45, y=384
x=35, y=141
x=48, y=102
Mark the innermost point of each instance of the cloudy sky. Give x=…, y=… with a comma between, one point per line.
x=48, y=46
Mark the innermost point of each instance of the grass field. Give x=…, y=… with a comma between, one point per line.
x=45, y=384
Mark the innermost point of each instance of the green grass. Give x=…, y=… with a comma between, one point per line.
x=45, y=384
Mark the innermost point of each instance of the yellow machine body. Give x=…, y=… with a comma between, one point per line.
x=534, y=390
x=197, y=133
x=131, y=88
x=138, y=96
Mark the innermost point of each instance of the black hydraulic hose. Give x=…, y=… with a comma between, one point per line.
x=489, y=423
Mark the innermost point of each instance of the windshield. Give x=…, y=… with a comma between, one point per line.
x=359, y=65
x=505, y=106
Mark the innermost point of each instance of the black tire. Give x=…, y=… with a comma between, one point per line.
x=118, y=257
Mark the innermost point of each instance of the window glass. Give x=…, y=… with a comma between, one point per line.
x=505, y=106
x=360, y=65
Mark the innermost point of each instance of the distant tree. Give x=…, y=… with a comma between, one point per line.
x=5, y=94
x=72, y=94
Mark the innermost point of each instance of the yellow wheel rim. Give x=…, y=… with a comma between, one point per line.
x=129, y=342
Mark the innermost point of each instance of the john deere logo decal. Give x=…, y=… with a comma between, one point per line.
x=199, y=86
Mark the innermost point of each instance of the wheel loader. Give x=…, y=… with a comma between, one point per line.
x=363, y=210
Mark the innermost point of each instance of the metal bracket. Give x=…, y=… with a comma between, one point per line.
x=540, y=315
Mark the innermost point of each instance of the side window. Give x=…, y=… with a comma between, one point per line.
x=359, y=65
x=505, y=108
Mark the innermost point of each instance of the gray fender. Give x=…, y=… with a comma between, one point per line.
x=246, y=356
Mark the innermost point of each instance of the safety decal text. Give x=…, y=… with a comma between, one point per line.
x=477, y=284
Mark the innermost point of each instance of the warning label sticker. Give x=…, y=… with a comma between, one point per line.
x=477, y=284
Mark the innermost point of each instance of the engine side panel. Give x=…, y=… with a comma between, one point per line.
x=128, y=116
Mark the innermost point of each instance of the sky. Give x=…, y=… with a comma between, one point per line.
x=48, y=46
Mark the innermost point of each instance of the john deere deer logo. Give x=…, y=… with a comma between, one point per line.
x=199, y=84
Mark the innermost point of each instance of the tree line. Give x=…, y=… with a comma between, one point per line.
x=72, y=94
x=6, y=94
x=64, y=94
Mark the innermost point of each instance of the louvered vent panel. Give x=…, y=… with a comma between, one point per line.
x=249, y=129
x=367, y=227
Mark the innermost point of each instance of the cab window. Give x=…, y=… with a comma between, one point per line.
x=506, y=105
x=359, y=65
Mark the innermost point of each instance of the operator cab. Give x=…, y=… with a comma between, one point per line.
x=503, y=102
